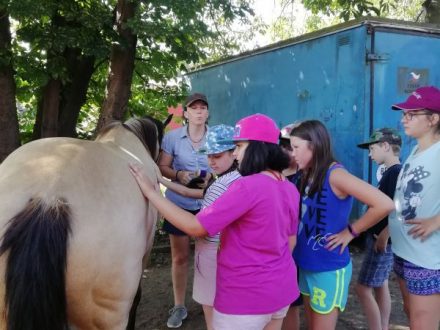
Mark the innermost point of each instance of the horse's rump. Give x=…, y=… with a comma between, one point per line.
x=111, y=224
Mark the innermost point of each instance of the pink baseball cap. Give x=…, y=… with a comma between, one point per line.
x=422, y=98
x=256, y=127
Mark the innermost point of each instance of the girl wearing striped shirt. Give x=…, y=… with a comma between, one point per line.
x=223, y=164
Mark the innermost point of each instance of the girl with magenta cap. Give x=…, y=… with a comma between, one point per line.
x=258, y=219
x=415, y=226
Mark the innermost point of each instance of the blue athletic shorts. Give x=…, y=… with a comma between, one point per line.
x=419, y=281
x=376, y=266
x=327, y=290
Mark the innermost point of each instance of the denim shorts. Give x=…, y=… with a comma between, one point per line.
x=376, y=266
x=419, y=281
x=172, y=230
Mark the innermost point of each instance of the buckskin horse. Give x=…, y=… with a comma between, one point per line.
x=75, y=228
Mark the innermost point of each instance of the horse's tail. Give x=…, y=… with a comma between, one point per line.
x=36, y=239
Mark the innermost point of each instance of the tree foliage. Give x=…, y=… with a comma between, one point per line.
x=8, y=119
x=347, y=9
x=410, y=10
x=62, y=53
x=61, y=59
x=317, y=14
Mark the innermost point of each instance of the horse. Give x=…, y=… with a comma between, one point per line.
x=75, y=229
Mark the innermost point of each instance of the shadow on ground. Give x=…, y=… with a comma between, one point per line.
x=157, y=298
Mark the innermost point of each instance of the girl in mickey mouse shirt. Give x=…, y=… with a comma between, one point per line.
x=415, y=226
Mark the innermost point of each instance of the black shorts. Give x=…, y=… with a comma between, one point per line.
x=172, y=230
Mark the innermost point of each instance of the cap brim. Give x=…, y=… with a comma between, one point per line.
x=214, y=152
x=233, y=140
x=226, y=142
x=366, y=145
x=195, y=100
x=405, y=106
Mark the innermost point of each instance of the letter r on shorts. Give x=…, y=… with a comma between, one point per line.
x=318, y=297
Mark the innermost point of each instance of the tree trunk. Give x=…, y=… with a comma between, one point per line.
x=36, y=133
x=61, y=100
x=432, y=8
x=9, y=133
x=80, y=69
x=50, y=108
x=121, y=66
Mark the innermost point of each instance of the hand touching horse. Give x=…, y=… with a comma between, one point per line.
x=75, y=228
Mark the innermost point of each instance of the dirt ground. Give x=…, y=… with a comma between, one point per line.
x=157, y=298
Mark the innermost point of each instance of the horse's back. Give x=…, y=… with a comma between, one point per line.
x=110, y=221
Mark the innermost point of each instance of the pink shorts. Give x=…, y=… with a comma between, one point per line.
x=205, y=268
x=255, y=322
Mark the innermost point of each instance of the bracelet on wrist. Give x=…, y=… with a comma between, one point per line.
x=177, y=172
x=352, y=231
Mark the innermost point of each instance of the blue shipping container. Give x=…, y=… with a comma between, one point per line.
x=347, y=76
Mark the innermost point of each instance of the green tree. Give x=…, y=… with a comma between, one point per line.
x=322, y=13
x=122, y=60
x=401, y=9
x=8, y=114
x=75, y=61
x=56, y=48
x=432, y=8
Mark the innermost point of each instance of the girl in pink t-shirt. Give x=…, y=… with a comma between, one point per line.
x=258, y=220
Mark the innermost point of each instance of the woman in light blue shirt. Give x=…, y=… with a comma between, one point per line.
x=179, y=160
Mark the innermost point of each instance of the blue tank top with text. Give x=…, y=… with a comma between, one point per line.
x=323, y=215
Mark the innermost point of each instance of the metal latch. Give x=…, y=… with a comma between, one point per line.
x=377, y=57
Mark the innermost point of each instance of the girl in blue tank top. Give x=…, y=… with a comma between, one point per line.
x=321, y=254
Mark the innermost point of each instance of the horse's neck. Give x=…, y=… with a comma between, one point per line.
x=125, y=141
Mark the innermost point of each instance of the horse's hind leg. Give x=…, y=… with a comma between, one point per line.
x=132, y=316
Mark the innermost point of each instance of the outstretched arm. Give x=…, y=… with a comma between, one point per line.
x=379, y=205
x=180, y=189
x=180, y=218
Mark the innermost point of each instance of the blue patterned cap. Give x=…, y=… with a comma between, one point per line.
x=214, y=138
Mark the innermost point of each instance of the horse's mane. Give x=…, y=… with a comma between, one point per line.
x=147, y=129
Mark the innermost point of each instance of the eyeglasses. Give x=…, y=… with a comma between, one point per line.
x=410, y=115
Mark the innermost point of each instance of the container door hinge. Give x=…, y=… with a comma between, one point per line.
x=372, y=57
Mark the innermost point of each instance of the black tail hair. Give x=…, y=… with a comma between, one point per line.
x=37, y=239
